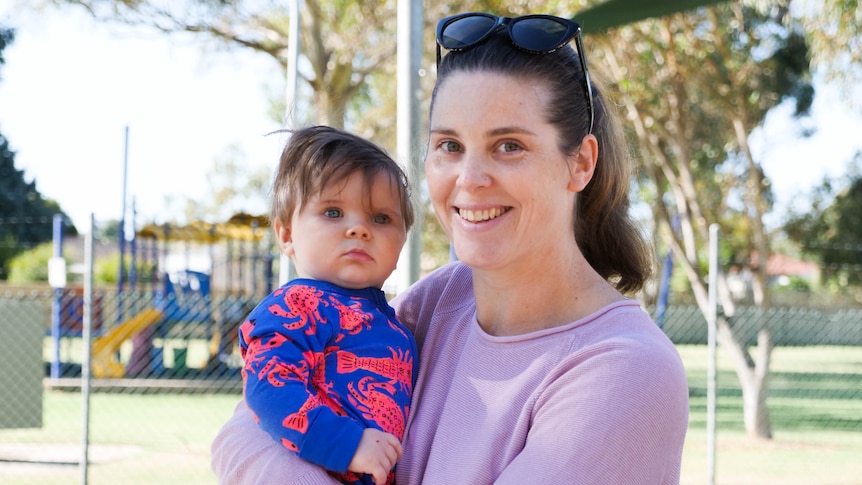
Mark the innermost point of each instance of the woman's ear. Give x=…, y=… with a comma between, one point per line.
x=583, y=164
x=283, y=237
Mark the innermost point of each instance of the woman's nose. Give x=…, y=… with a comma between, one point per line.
x=473, y=173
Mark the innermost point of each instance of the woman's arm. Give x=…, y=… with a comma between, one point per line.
x=243, y=454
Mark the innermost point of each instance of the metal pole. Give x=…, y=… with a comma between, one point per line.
x=133, y=250
x=410, y=21
x=284, y=268
x=57, y=304
x=86, y=339
x=711, y=346
x=122, y=232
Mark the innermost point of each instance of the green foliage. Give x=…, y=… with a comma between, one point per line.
x=831, y=230
x=435, y=242
x=32, y=265
x=106, y=270
x=26, y=218
x=795, y=283
x=834, y=30
x=693, y=85
x=7, y=36
x=790, y=63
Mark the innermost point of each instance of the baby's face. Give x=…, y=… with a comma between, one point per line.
x=348, y=234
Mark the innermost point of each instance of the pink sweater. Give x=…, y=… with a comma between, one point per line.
x=602, y=400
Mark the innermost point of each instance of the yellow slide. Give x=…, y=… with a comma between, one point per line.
x=104, y=363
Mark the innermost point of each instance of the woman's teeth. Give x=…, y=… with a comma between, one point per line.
x=480, y=215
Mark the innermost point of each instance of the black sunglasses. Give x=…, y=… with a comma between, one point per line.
x=537, y=34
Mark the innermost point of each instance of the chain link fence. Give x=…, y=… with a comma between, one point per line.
x=165, y=375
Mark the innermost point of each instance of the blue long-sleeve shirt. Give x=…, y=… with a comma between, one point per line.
x=321, y=364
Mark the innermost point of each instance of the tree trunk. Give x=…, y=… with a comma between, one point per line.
x=755, y=409
x=753, y=377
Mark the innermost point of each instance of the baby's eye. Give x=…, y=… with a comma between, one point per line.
x=450, y=146
x=332, y=213
x=381, y=219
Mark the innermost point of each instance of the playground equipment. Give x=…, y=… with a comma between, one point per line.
x=164, y=294
x=169, y=308
x=104, y=359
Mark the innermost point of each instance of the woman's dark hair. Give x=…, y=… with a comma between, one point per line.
x=605, y=233
x=319, y=156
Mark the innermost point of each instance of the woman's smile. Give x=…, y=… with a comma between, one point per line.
x=481, y=215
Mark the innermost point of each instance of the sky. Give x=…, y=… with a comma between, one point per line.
x=70, y=88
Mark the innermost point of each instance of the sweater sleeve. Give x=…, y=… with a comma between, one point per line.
x=243, y=454
x=615, y=415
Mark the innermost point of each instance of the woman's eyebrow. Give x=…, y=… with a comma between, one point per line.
x=443, y=131
x=508, y=130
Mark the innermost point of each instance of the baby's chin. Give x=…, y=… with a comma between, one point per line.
x=358, y=283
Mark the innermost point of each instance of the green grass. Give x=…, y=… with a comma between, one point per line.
x=815, y=405
x=138, y=439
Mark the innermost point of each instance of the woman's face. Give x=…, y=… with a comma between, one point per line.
x=498, y=182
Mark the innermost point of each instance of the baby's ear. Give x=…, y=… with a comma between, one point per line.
x=583, y=164
x=283, y=237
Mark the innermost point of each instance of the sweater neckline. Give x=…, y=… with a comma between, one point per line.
x=540, y=334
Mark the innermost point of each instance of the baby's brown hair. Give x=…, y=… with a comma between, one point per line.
x=318, y=156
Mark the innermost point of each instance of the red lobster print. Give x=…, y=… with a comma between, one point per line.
x=351, y=317
x=323, y=395
x=301, y=303
x=259, y=363
x=350, y=477
x=378, y=406
x=290, y=445
x=299, y=419
x=324, y=389
x=278, y=372
x=398, y=368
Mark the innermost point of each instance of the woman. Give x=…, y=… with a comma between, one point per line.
x=534, y=368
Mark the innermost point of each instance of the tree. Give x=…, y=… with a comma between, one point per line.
x=695, y=85
x=831, y=231
x=233, y=187
x=26, y=218
x=834, y=32
x=343, y=42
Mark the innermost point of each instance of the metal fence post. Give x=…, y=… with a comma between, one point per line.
x=712, y=364
x=86, y=337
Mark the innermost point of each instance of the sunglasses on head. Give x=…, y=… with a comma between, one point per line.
x=537, y=34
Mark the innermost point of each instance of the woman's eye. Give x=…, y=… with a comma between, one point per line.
x=332, y=213
x=381, y=219
x=450, y=146
x=510, y=146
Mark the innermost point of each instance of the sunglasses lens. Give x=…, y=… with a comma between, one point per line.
x=538, y=34
x=466, y=31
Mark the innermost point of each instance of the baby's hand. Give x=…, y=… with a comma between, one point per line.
x=376, y=454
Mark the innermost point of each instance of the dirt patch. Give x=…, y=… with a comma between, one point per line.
x=18, y=458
